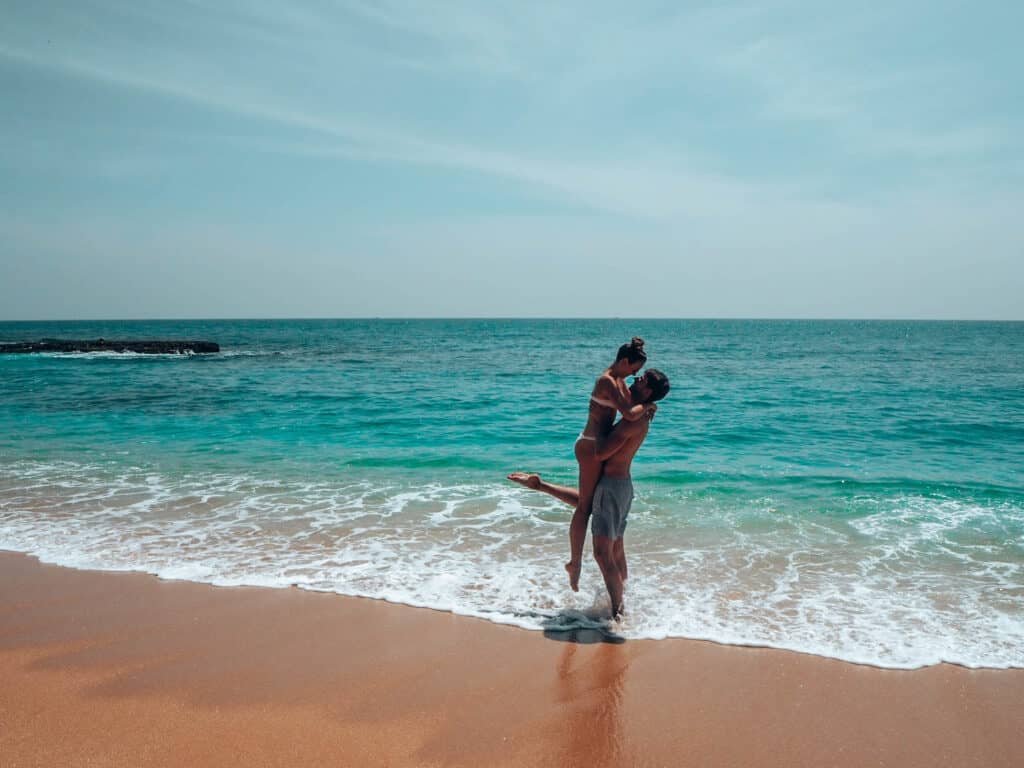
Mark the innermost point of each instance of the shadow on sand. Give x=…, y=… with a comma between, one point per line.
x=577, y=627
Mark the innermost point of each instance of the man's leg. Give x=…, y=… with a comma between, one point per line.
x=604, y=553
x=619, y=552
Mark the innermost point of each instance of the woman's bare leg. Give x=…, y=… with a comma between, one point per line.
x=590, y=473
x=532, y=481
x=581, y=498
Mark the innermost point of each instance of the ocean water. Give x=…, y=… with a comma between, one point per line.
x=848, y=489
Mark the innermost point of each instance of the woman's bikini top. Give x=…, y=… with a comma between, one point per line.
x=595, y=400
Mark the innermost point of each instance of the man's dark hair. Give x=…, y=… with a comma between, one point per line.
x=658, y=382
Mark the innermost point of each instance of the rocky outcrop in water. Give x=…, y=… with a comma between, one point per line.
x=140, y=346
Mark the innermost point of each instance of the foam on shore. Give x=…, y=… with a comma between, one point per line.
x=900, y=582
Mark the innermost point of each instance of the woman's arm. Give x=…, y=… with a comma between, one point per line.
x=606, y=389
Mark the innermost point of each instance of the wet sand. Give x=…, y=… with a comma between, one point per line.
x=110, y=669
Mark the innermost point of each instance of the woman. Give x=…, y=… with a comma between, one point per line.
x=610, y=395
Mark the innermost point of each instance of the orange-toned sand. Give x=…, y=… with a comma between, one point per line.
x=102, y=669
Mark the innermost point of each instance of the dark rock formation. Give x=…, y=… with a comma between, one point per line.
x=142, y=346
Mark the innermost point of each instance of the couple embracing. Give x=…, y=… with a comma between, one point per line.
x=604, y=452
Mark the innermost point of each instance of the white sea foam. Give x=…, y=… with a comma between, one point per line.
x=109, y=354
x=902, y=582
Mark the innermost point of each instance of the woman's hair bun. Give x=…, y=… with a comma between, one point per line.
x=634, y=351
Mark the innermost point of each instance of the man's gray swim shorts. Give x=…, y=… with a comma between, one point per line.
x=612, y=499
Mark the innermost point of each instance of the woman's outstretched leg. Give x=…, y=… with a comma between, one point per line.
x=571, y=497
x=533, y=481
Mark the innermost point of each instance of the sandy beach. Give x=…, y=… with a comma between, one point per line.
x=114, y=669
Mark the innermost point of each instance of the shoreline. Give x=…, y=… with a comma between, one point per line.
x=106, y=668
x=585, y=626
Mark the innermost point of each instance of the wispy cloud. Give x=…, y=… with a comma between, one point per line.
x=658, y=189
x=772, y=133
x=311, y=68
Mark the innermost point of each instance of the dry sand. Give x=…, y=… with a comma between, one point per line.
x=108, y=669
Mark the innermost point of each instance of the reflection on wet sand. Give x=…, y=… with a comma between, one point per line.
x=590, y=684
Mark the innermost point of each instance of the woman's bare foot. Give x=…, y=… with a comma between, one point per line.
x=573, y=569
x=529, y=479
x=532, y=480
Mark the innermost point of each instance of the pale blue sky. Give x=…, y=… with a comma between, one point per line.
x=213, y=158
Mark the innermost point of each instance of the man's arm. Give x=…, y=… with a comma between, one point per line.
x=623, y=404
x=614, y=441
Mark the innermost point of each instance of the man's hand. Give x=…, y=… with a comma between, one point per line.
x=649, y=410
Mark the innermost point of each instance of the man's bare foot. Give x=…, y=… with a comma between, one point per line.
x=573, y=569
x=529, y=479
x=618, y=622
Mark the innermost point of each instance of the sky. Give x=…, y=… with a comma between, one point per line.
x=219, y=158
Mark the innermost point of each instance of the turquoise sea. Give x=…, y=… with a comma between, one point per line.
x=844, y=488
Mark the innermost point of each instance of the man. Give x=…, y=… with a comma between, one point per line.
x=614, y=493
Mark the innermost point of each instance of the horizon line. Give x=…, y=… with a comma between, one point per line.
x=514, y=318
